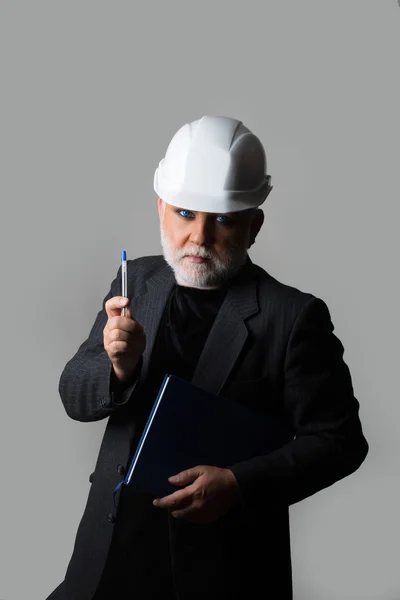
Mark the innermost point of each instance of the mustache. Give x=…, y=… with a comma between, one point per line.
x=199, y=254
x=229, y=250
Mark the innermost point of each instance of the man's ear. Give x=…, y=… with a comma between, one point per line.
x=256, y=224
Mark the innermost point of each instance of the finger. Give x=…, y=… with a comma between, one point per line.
x=114, y=305
x=189, y=513
x=177, y=500
x=187, y=476
x=117, y=335
x=185, y=513
x=122, y=335
x=116, y=350
x=123, y=323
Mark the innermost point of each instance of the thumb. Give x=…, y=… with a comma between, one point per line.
x=185, y=477
x=114, y=305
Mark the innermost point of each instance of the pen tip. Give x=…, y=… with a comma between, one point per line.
x=123, y=255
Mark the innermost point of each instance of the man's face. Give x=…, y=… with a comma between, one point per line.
x=221, y=240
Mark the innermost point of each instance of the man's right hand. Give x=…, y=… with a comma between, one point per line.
x=124, y=338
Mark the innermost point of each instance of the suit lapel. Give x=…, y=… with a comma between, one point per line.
x=228, y=333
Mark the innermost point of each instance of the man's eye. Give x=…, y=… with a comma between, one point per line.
x=226, y=221
x=185, y=213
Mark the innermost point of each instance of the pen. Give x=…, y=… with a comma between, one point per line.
x=124, y=279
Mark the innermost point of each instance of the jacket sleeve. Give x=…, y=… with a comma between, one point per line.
x=88, y=389
x=318, y=397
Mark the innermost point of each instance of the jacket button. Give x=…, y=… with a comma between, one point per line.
x=121, y=469
x=111, y=517
x=91, y=477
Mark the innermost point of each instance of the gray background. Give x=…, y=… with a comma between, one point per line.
x=91, y=94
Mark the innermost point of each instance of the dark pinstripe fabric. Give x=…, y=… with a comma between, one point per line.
x=271, y=347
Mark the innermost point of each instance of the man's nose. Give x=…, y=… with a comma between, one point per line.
x=203, y=233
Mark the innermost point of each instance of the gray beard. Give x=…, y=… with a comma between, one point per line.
x=213, y=273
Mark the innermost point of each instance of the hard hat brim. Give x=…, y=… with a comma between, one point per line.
x=229, y=202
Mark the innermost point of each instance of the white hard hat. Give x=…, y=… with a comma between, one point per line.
x=214, y=164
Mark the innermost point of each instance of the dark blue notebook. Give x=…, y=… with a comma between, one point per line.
x=189, y=426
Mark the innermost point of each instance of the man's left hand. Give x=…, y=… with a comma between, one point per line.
x=211, y=493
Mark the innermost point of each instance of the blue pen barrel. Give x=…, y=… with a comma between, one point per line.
x=124, y=277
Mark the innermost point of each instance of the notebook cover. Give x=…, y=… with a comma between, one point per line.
x=189, y=426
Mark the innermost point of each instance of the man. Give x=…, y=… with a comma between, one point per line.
x=204, y=312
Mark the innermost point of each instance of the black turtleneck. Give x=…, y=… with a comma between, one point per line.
x=187, y=321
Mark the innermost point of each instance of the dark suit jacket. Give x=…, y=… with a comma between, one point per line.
x=271, y=347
